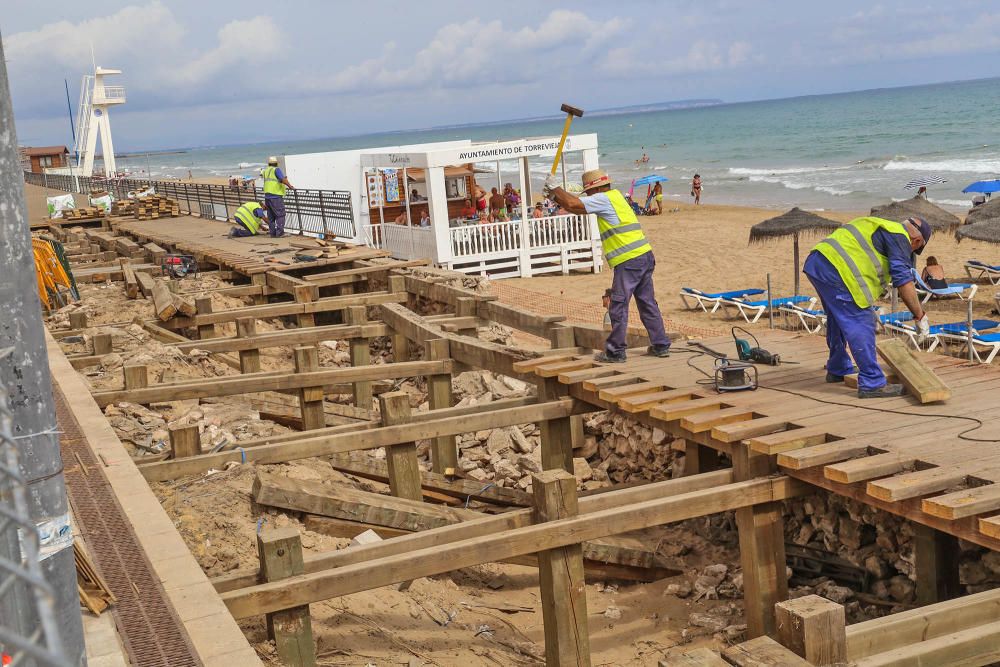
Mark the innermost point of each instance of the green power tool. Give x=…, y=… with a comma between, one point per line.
x=755, y=354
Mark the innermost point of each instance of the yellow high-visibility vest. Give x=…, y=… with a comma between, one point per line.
x=272, y=186
x=245, y=217
x=625, y=240
x=864, y=270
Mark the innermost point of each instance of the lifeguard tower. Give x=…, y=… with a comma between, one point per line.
x=93, y=118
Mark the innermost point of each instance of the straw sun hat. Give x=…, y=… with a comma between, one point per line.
x=595, y=178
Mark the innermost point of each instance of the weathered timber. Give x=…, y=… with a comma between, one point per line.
x=915, y=375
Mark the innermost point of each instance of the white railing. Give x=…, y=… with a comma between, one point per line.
x=558, y=230
x=110, y=94
x=485, y=239
x=404, y=242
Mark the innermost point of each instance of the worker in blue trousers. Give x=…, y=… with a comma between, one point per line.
x=850, y=270
x=630, y=256
x=248, y=219
x=275, y=185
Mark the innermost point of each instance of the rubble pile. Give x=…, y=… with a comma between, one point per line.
x=628, y=450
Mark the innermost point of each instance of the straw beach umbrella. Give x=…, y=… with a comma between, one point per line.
x=988, y=211
x=792, y=224
x=938, y=218
x=986, y=226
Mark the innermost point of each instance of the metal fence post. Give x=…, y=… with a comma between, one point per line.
x=45, y=605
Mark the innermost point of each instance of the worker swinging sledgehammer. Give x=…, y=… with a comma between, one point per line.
x=850, y=270
x=629, y=254
x=248, y=219
x=275, y=185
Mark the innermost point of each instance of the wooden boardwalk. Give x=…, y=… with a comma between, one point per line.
x=894, y=453
x=208, y=241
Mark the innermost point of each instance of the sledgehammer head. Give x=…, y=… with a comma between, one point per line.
x=571, y=110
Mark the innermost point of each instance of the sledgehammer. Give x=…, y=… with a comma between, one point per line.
x=570, y=112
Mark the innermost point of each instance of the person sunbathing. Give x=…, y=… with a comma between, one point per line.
x=933, y=274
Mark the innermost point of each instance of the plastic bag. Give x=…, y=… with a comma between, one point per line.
x=103, y=203
x=58, y=204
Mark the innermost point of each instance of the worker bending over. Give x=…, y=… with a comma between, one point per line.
x=248, y=220
x=275, y=185
x=851, y=269
x=629, y=254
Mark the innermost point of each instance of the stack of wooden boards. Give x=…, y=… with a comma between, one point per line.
x=165, y=303
x=307, y=248
x=83, y=213
x=94, y=592
x=147, y=208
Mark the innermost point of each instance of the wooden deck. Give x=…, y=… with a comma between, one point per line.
x=208, y=241
x=894, y=454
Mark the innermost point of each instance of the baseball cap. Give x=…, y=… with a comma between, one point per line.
x=925, y=231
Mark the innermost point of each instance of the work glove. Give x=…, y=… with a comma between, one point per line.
x=923, y=329
x=551, y=183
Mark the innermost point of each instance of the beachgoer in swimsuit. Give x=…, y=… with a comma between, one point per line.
x=933, y=274
x=696, y=188
x=658, y=196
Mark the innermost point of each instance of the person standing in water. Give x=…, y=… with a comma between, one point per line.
x=696, y=188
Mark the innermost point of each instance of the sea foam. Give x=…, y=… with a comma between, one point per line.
x=990, y=165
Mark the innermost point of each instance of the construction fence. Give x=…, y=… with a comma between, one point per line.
x=326, y=212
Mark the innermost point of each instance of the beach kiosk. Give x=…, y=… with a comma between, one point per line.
x=444, y=177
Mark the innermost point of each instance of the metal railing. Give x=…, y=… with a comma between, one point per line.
x=23, y=580
x=327, y=212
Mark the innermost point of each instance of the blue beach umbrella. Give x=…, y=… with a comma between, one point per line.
x=986, y=187
x=653, y=178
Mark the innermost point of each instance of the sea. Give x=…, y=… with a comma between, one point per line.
x=846, y=151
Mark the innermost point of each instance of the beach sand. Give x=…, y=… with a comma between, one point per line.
x=707, y=247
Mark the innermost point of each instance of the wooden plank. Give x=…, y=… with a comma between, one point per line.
x=813, y=628
x=915, y=375
x=444, y=449
x=267, y=381
x=360, y=352
x=347, y=275
x=246, y=328
x=309, y=335
x=485, y=525
x=322, y=445
x=310, y=396
x=377, y=572
x=620, y=378
x=146, y=283
x=456, y=487
x=699, y=657
x=614, y=394
x=673, y=411
x=163, y=301
x=529, y=365
x=921, y=482
x=131, y=284
x=763, y=652
x=643, y=402
x=979, y=645
x=784, y=441
x=328, y=304
x=701, y=421
x=560, y=574
x=961, y=504
x=555, y=368
x=184, y=442
x=817, y=455
x=752, y=429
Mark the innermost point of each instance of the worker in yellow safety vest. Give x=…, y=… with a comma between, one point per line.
x=248, y=219
x=275, y=185
x=850, y=270
x=629, y=254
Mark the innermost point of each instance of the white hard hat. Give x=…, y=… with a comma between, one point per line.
x=272, y=160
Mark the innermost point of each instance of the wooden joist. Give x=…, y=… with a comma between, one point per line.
x=269, y=381
x=915, y=375
x=329, y=304
x=163, y=301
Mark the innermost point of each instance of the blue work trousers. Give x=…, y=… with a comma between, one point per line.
x=239, y=231
x=275, y=214
x=634, y=278
x=847, y=325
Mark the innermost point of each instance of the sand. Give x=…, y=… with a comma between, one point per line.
x=707, y=247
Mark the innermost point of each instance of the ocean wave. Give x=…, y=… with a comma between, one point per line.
x=748, y=171
x=836, y=192
x=659, y=167
x=990, y=165
x=963, y=203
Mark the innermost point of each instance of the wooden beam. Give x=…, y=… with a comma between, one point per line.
x=763, y=652
x=131, y=284
x=556, y=434
x=184, y=441
x=310, y=397
x=936, y=558
x=280, y=553
x=915, y=375
x=203, y=305
x=322, y=445
x=560, y=574
x=349, y=275
x=699, y=657
x=400, y=459
x=325, y=305
x=163, y=301
x=246, y=328
x=482, y=525
x=444, y=449
x=78, y=319
x=146, y=283
x=360, y=350
x=306, y=336
x=978, y=645
x=813, y=628
x=434, y=559
x=304, y=295
x=136, y=377
x=268, y=381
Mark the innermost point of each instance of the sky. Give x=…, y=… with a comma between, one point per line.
x=203, y=73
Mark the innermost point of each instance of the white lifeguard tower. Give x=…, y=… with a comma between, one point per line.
x=93, y=118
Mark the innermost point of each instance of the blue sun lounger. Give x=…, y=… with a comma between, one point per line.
x=983, y=270
x=954, y=289
x=941, y=333
x=752, y=310
x=699, y=299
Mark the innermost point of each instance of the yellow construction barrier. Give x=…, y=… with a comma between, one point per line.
x=55, y=286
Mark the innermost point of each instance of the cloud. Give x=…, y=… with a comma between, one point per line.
x=703, y=55
x=258, y=36
x=475, y=53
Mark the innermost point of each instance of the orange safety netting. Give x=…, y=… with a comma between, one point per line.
x=53, y=283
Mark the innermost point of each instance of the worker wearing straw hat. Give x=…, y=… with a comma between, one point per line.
x=629, y=254
x=850, y=270
x=275, y=185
